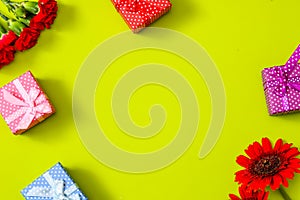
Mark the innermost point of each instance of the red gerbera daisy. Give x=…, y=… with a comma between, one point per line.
x=267, y=166
x=247, y=194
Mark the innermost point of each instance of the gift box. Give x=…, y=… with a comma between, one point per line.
x=140, y=13
x=54, y=184
x=23, y=104
x=282, y=86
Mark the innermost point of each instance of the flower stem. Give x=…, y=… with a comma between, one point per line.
x=284, y=194
x=3, y=16
x=2, y=31
x=10, y=6
x=5, y=1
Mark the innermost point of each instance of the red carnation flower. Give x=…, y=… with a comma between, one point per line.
x=7, y=50
x=8, y=38
x=36, y=23
x=247, y=194
x=48, y=6
x=267, y=166
x=7, y=55
x=28, y=38
x=46, y=15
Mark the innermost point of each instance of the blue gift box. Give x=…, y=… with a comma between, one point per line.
x=54, y=184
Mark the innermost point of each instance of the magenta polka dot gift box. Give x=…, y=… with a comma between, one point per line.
x=23, y=103
x=282, y=86
x=140, y=13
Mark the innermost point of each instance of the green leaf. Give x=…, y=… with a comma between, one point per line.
x=15, y=26
x=20, y=12
x=31, y=6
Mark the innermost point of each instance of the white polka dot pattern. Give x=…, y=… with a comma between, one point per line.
x=140, y=13
x=58, y=174
x=282, y=86
x=10, y=111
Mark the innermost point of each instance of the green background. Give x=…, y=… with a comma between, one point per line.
x=242, y=37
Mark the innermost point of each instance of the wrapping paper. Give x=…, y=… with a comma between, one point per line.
x=54, y=184
x=23, y=103
x=140, y=13
x=282, y=86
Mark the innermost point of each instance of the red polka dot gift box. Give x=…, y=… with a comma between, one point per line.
x=23, y=104
x=282, y=86
x=140, y=13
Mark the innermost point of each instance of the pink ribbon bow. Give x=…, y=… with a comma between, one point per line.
x=31, y=105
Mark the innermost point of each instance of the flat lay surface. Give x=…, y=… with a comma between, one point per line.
x=240, y=37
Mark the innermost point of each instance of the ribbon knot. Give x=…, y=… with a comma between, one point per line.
x=141, y=6
x=283, y=82
x=56, y=191
x=284, y=78
x=32, y=105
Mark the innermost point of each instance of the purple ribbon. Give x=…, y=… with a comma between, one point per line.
x=283, y=78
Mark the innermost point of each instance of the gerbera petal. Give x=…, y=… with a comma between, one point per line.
x=242, y=176
x=292, y=152
x=243, y=191
x=250, y=152
x=265, y=195
x=285, y=183
x=285, y=147
x=257, y=148
x=266, y=180
x=288, y=173
x=294, y=161
x=278, y=145
x=266, y=144
x=243, y=161
x=275, y=182
x=233, y=197
x=257, y=184
x=294, y=164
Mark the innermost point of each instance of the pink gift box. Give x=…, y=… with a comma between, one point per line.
x=23, y=104
x=140, y=13
x=282, y=86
